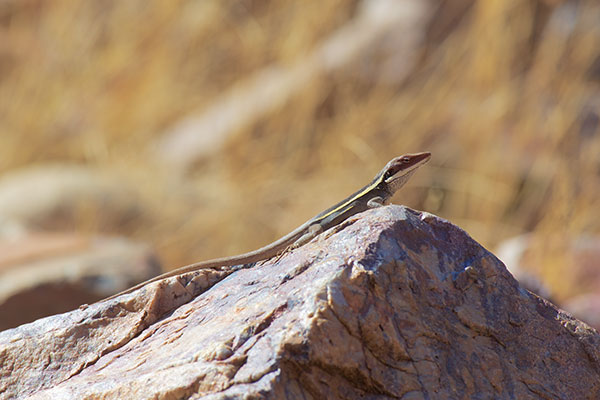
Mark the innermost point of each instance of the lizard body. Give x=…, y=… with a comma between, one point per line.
x=377, y=193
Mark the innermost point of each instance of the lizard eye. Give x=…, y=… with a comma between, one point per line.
x=405, y=160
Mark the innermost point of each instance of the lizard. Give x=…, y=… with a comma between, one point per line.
x=376, y=194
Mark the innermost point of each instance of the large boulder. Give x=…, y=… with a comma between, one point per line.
x=392, y=303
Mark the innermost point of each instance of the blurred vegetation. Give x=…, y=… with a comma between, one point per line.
x=505, y=94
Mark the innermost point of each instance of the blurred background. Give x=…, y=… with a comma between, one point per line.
x=140, y=136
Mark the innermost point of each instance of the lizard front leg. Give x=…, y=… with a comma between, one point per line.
x=311, y=232
x=375, y=202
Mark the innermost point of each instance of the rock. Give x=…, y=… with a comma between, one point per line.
x=555, y=266
x=55, y=196
x=585, y=307
x=393, y=303
x=514, y=253
x=47, y=273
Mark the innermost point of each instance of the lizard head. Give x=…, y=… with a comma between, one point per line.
x=397, y=172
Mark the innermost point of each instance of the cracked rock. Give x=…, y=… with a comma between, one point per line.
x=393, y=303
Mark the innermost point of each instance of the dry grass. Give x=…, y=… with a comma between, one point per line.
x=505, y=95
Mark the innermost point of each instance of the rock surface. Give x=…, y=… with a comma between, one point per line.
x=391, y=304
x=47, y=273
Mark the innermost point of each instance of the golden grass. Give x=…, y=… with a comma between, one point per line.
x=505, y=96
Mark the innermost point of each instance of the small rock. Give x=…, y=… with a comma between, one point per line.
x=48, y=273
x=53, y=197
